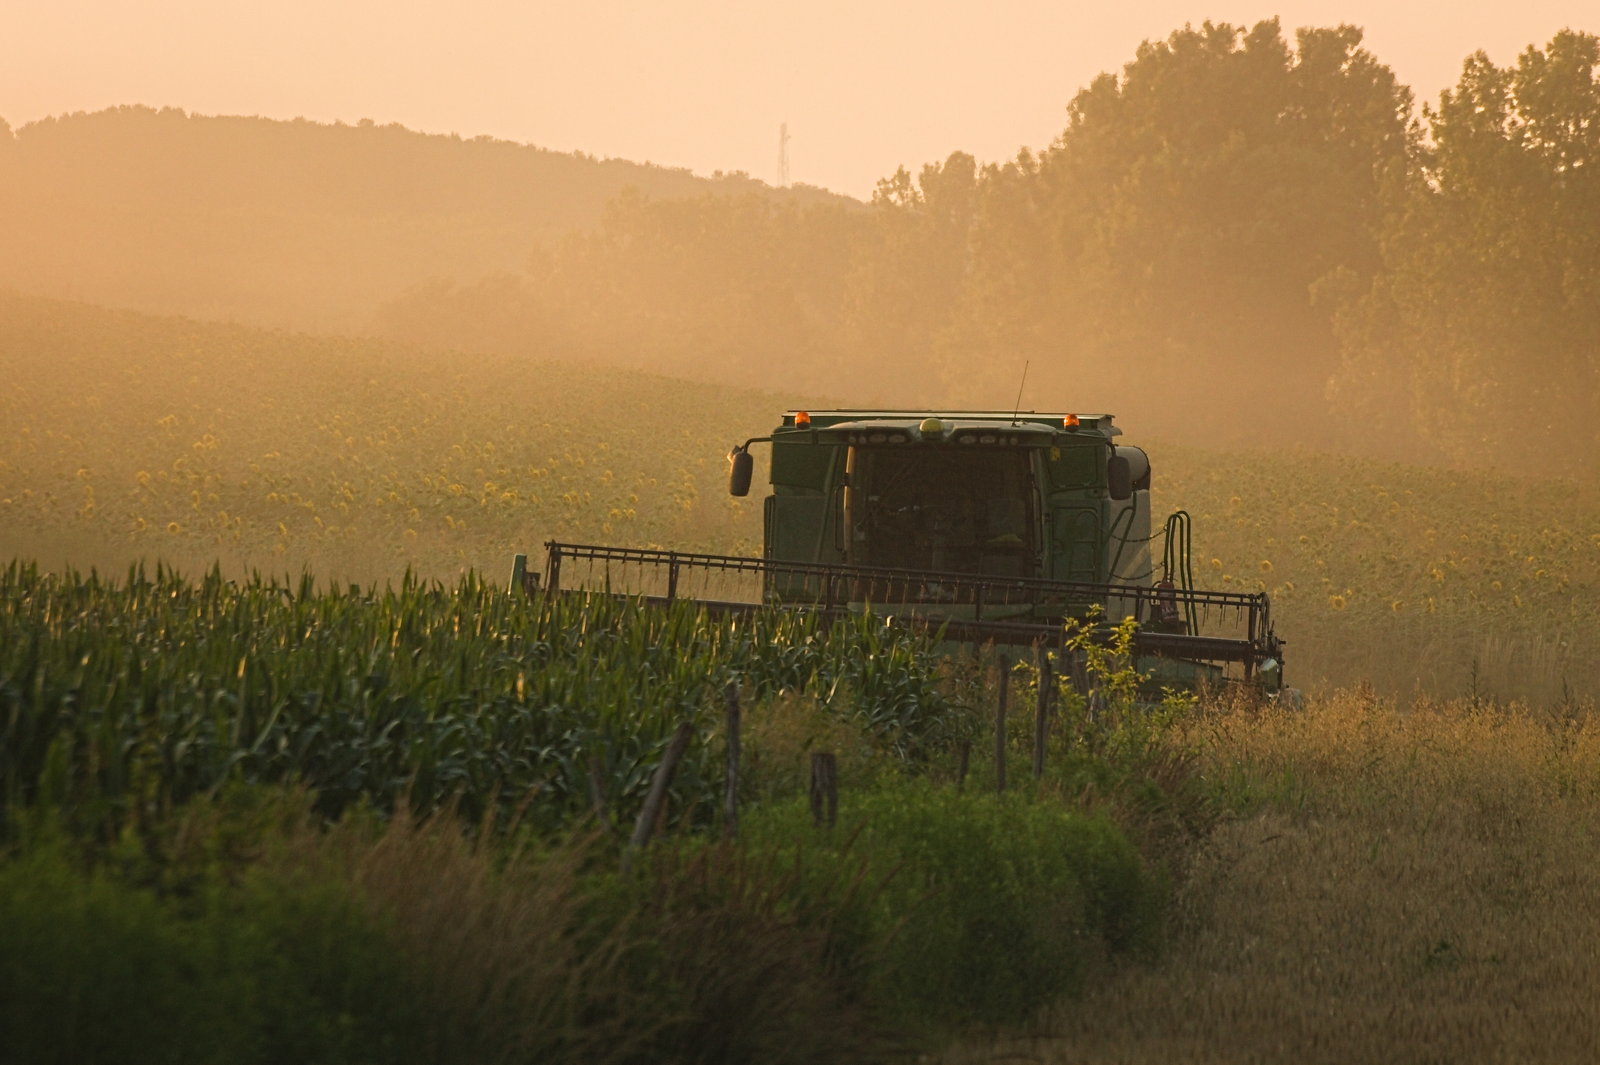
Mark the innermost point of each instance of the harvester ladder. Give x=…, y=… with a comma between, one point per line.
x=1176, y=564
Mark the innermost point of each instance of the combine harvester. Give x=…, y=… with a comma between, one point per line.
x=986, y=526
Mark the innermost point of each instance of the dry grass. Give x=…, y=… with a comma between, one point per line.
x=781, y=734
x=1411, y=884
x=500, y=949
x=495, y=943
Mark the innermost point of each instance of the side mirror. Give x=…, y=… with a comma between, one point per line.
x=1119, y=477
x=742, y=464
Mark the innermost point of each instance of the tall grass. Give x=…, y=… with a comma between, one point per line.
x=1398, y=882
x=403, y=940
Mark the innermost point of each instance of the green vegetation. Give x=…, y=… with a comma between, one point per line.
x=303, y=811
x=160, y=886
x=987, y=908
x=271, y=968
x=125, y=698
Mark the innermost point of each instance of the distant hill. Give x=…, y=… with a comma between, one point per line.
x=290, y=223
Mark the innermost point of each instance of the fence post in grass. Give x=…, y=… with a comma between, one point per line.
x=824, y=788
x=963, y=758
x=597, y=793
x=1077, y=670
x=730, y=807
x=656, y=797
x=1041, y=718
x=1000, y=727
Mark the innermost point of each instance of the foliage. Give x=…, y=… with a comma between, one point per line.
x=1114, y=721
x=1183, y=215
x=1114, y=741
x=747, y=957
x=1484, y=316
x=689, y=286
x=1169, y=237
x=357, y=941
x=965, y=909
x=269, y=970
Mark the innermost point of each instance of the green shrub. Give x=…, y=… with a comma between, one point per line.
x=977, y=909
x=325, y=980
x=93, y=969
x=126, y=960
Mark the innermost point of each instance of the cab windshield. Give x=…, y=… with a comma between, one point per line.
x=947, y=509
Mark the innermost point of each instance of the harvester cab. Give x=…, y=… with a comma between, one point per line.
x=987, y=525
x=975, y=493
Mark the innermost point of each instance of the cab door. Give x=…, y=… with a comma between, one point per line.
x=801, y=521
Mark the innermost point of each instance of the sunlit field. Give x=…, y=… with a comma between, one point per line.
x=125, y=437
x=1411, y=578
x=129, y=437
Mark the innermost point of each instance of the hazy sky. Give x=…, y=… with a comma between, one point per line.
x=864, y=85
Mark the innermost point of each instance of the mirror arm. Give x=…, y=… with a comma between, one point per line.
x=741, y=465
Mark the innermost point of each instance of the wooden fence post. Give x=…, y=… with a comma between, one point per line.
x=1041, y=718
x=1080, y=683
x=824, y=788
x=597, y=793
x=730, y=807
x=656, y=797
x=1000, y=727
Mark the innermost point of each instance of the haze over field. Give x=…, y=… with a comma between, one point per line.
x=704, y=84
x=1247, y=236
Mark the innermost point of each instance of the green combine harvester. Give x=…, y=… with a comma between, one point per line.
x=986, y=526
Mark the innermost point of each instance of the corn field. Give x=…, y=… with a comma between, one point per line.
x=122, y=698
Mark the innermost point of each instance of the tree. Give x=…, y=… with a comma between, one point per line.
x=1483, y=329
x=910, y=270
x=1186, y=213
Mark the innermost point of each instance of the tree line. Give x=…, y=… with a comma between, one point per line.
x=1239, y=237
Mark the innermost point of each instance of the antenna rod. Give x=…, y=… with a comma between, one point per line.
x=1017, y=409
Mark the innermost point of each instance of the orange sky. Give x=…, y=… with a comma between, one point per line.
x=865, y=85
